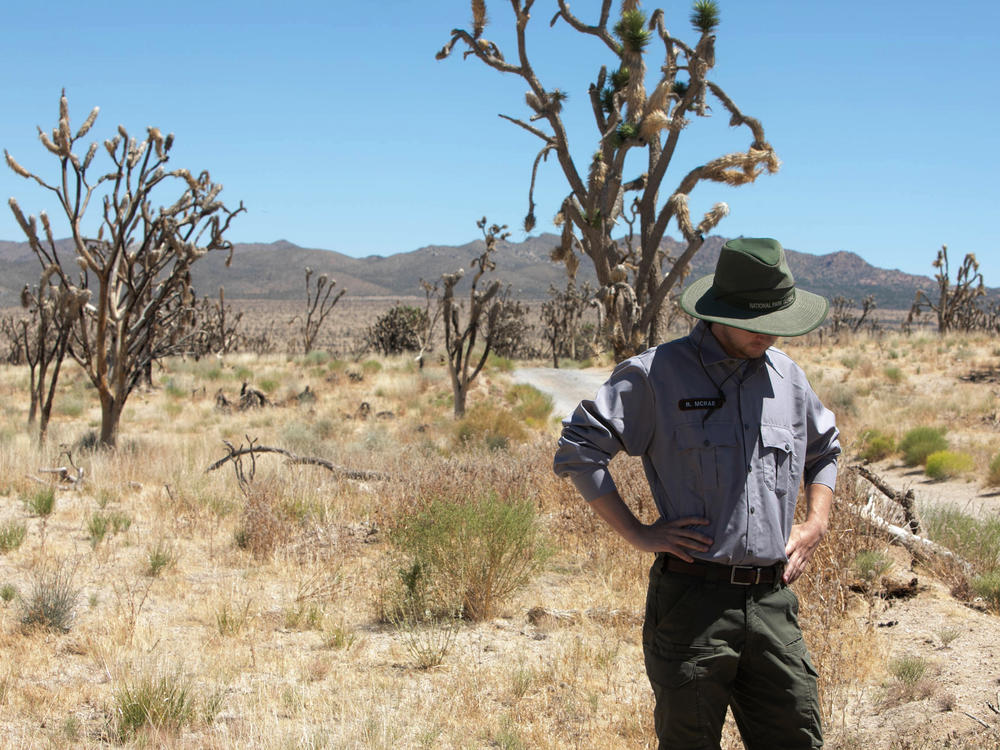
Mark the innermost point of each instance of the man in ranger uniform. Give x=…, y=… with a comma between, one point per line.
x=727, y=427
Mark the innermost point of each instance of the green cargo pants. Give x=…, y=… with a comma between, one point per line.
x=709, y=645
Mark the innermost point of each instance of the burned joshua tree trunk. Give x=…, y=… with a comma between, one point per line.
x=634, y=277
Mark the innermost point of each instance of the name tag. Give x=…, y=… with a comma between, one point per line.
x=692, y=404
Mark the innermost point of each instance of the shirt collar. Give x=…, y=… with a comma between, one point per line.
x=712, y=353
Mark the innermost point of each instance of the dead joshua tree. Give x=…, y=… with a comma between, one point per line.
x=633, y=285
x=134, y=275
x=956, y=306
x=318, y=307
x=484, y=308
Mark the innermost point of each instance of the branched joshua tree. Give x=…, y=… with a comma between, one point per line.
x=843, y=316
x=956, y=306
x=485, y=306
x=125, y=291
x=631, y=272
x=217, y=327
x=562, y=315
x=318, y=306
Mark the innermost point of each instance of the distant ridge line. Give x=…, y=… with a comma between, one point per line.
x=275, y=271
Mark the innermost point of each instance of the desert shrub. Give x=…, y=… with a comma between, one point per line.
x=909, y=669
x=499, y=363
x=51, y=604
x=266, y=523
x=97, y=528
x=993, y=477
x=920, y=442
x=894, y=374
x=870, y=565
x=948, y=464
x=876, y=445
x=398, y=330
x=99, y=524
x=987, y=586
x=157, y=702
x=160, y=556
x=41, y=503
x=491, y=426
x=530, y=404
x=7, y=592
x=841, y=399
x=12, y=535
x=469, y=555
x=975, y=539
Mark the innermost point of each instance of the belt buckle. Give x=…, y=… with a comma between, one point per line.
x=755, y=578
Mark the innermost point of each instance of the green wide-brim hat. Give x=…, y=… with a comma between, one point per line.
x=753, y=289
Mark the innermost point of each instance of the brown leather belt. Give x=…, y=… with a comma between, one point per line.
x=738, y=575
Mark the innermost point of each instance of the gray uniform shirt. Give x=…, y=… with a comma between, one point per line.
x=737, y=460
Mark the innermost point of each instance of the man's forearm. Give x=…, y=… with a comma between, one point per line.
x=676, y=537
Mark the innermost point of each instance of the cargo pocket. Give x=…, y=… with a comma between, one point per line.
x=776, y=456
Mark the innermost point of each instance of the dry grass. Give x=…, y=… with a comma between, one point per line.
x=260, y=625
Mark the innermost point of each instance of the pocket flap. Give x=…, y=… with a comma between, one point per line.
x=778, y=438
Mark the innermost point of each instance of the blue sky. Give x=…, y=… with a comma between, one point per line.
x=338, y=129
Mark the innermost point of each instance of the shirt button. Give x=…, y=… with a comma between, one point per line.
x=749, y=469
x=706, y=443
x=752, y=511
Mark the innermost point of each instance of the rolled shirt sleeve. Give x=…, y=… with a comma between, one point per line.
x=619, y=418
x=822, y=444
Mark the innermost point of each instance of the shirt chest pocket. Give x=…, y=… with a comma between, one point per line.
x=777, y=454
x=710, y=455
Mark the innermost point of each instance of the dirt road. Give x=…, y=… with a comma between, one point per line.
x=566, y=387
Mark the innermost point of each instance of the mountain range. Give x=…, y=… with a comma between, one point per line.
x=276, y=271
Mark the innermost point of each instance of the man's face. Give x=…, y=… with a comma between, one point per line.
x=741, y=344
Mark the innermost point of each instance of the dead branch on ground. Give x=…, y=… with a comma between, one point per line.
x=236, y=453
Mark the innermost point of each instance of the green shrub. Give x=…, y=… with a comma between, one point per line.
x=7, y=592
x=975, y=539
x=398, y=330
x=97, y=528
x=876, y=445
x=909, y=670
x=489, y=425
x=12, y=535
x=100, y=524
x=530, y=404
x=948, y=464
x=160, y=557
x=993, y=477
x=52, y=600
x=894, y=375
x=499, y=364
x=469, y=555
x=870, y=565
x=162, y=703
x=920, y=442
x=42, y=503
x=988, y=587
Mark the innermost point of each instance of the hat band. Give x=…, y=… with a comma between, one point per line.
x=740, y=299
